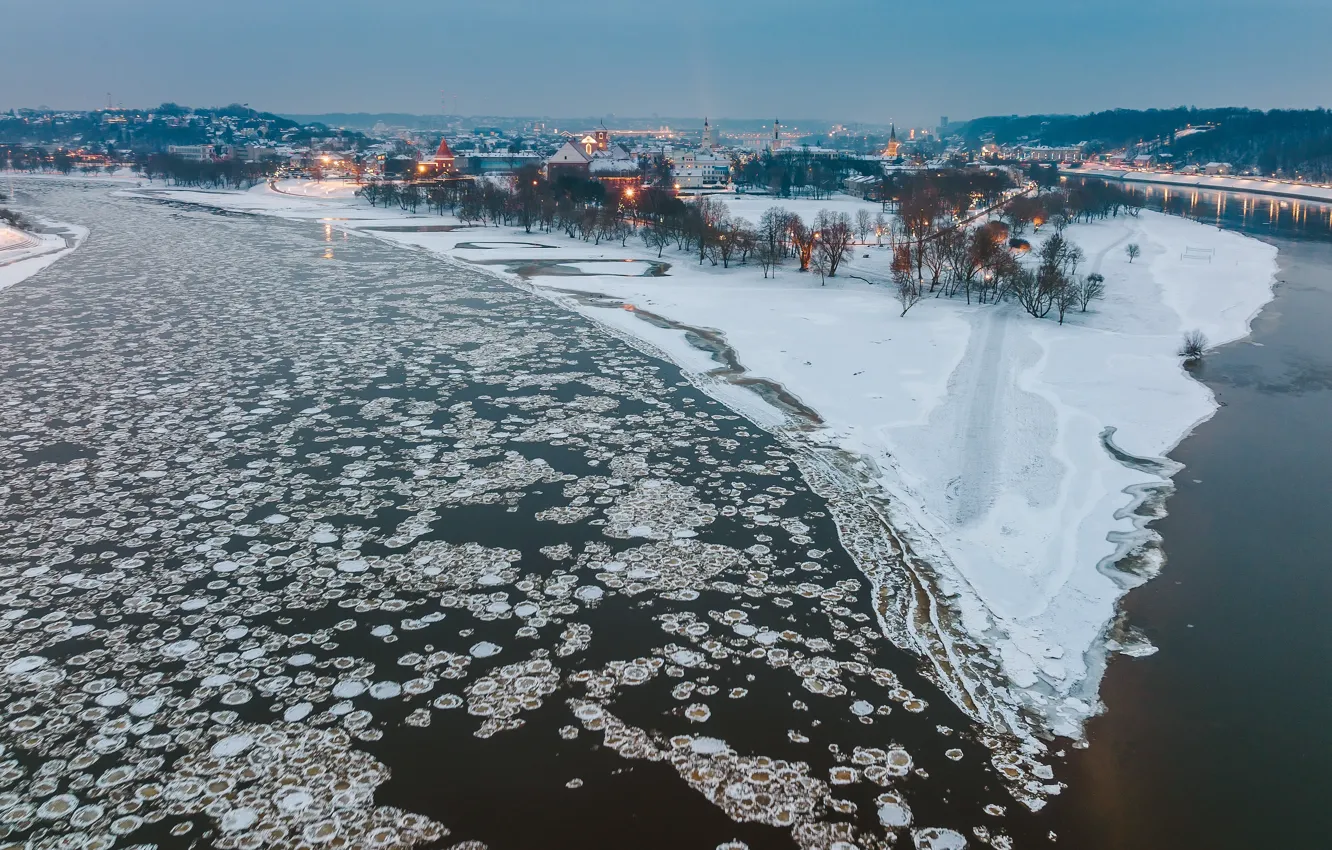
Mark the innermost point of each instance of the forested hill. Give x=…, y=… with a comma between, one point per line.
x=1280, y=141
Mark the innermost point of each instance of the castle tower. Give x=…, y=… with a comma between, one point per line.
x=444, y=158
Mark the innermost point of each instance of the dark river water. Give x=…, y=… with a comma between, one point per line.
x=1223, y=738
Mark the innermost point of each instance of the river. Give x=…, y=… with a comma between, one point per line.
x=1222, y=739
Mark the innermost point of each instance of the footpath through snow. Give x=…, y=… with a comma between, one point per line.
x=1014, y=456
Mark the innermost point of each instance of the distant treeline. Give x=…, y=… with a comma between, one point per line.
x=149, y=130
x=179, y=171
x=1285, y=142
x=800, y=175
x=187, y=172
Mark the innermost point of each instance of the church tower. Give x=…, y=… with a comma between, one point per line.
x=894, y=146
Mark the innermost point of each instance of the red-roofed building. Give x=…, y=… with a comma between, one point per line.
x=444, y=158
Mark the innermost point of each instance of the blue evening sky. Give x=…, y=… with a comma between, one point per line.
x=849, y=60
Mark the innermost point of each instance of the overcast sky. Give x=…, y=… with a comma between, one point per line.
x=848, y=60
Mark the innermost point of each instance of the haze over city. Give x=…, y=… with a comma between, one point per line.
x=847, y=60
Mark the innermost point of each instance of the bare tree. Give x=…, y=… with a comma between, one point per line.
x=746, y=239
x=864, y=225
x=1091, y=289
x=919, y=215
x=834, y=235
x=819, y=262
x=880, y=228
x=1194, y=346
x=768, y=257
x=727, y=242
x=1066, y=297
x=657, y=234
x=409, y=197
x=802, y=239
x=370, y=191
x=908, y=288
x=710, y=212
x=935, y=254
x=1133, y=251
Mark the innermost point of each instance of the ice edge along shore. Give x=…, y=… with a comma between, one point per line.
x=998, y=449
x=24, y=254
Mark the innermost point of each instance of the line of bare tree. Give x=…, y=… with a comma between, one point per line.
x=593, y=211
x=1058, y=209
x=232, y=173
x=932, y=253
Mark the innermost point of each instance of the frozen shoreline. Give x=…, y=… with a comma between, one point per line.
x=1252, y=185
x=23, y=254
x=979, y=432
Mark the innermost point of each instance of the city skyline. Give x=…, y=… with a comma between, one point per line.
x=853, y=61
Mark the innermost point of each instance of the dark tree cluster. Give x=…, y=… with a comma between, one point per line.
x=1090, y=201
x=592, y=211
x=582, y=208
x=1285, y=142
x=800, y=174
x=952, y=190
x=13, y=219
x=982, y=263
x=224, y=173
x=33, y=159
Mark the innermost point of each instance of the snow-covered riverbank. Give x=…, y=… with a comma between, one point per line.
x=984, y=430
x=1216, y=182
x=23, y=254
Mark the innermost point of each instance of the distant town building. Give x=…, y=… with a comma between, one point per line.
x=196, y=153
x=621, y=173
x=494, y=162
x=444, y=158
x=598, y=140
x=709, y=136
x=443, y=164
x=1218, y=169
x=611, y=160
x=569, y=159
x=213, y=153
x=700, y=172
x=861, y=186
x=1052, y=153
